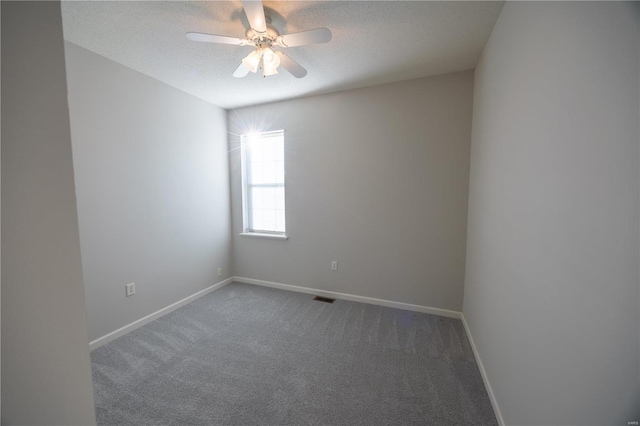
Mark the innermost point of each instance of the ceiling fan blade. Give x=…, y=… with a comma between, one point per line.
x=255, y=14
x=212, y=38
x=292, y=66
x=241, y=71
x=319, y=35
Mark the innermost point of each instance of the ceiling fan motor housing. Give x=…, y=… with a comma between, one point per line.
x=268, y=36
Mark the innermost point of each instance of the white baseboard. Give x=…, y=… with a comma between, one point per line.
x=353, y=298
x=157, y=314
x=485, y=378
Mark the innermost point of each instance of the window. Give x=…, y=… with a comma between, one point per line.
x=263, y=184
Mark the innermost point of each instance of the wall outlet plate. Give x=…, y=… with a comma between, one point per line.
x=130, y=289
x=219, y=271
x=334, y=265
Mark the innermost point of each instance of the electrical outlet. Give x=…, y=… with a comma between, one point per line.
x=219, y=271
x=334, y=265
x=131, y=289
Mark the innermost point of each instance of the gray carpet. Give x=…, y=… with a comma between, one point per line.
x=250, y=355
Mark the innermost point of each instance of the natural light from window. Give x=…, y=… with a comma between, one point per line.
x=263, y=183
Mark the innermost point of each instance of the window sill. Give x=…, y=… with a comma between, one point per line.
x=267, y=236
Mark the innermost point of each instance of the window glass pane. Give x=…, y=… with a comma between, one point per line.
x=268, y=209
x=266, y=171
x=266, y=159
x=268, y=148
x=280, y=221
x=267, y=198
x=279, y=196
x=264, y=220
x=268, y=220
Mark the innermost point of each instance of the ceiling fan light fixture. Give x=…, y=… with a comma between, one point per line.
x=252, y=60
x=269, y=70
x=270, y=62
x=270, y=56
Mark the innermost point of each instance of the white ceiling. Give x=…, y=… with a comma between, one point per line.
x=374, y=42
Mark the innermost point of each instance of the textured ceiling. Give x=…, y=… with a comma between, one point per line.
x=374, y=42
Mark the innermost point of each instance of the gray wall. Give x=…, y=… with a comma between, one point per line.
x=376, y=179
x=46, y=376
x=152, y=181
x=551, y=293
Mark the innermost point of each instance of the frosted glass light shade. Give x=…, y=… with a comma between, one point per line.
x=252, y=60
x=270, y=62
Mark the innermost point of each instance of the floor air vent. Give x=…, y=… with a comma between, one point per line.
x=324, y=299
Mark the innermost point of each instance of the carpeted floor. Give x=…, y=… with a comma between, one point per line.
x=249, y=355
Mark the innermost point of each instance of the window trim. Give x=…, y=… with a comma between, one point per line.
x=273, y=236
x=246, y=202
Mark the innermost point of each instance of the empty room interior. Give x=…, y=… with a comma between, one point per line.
x=320, y=212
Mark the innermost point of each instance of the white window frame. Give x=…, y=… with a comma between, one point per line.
x=247, y=230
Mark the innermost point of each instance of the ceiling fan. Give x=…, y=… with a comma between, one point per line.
x=264, y=37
